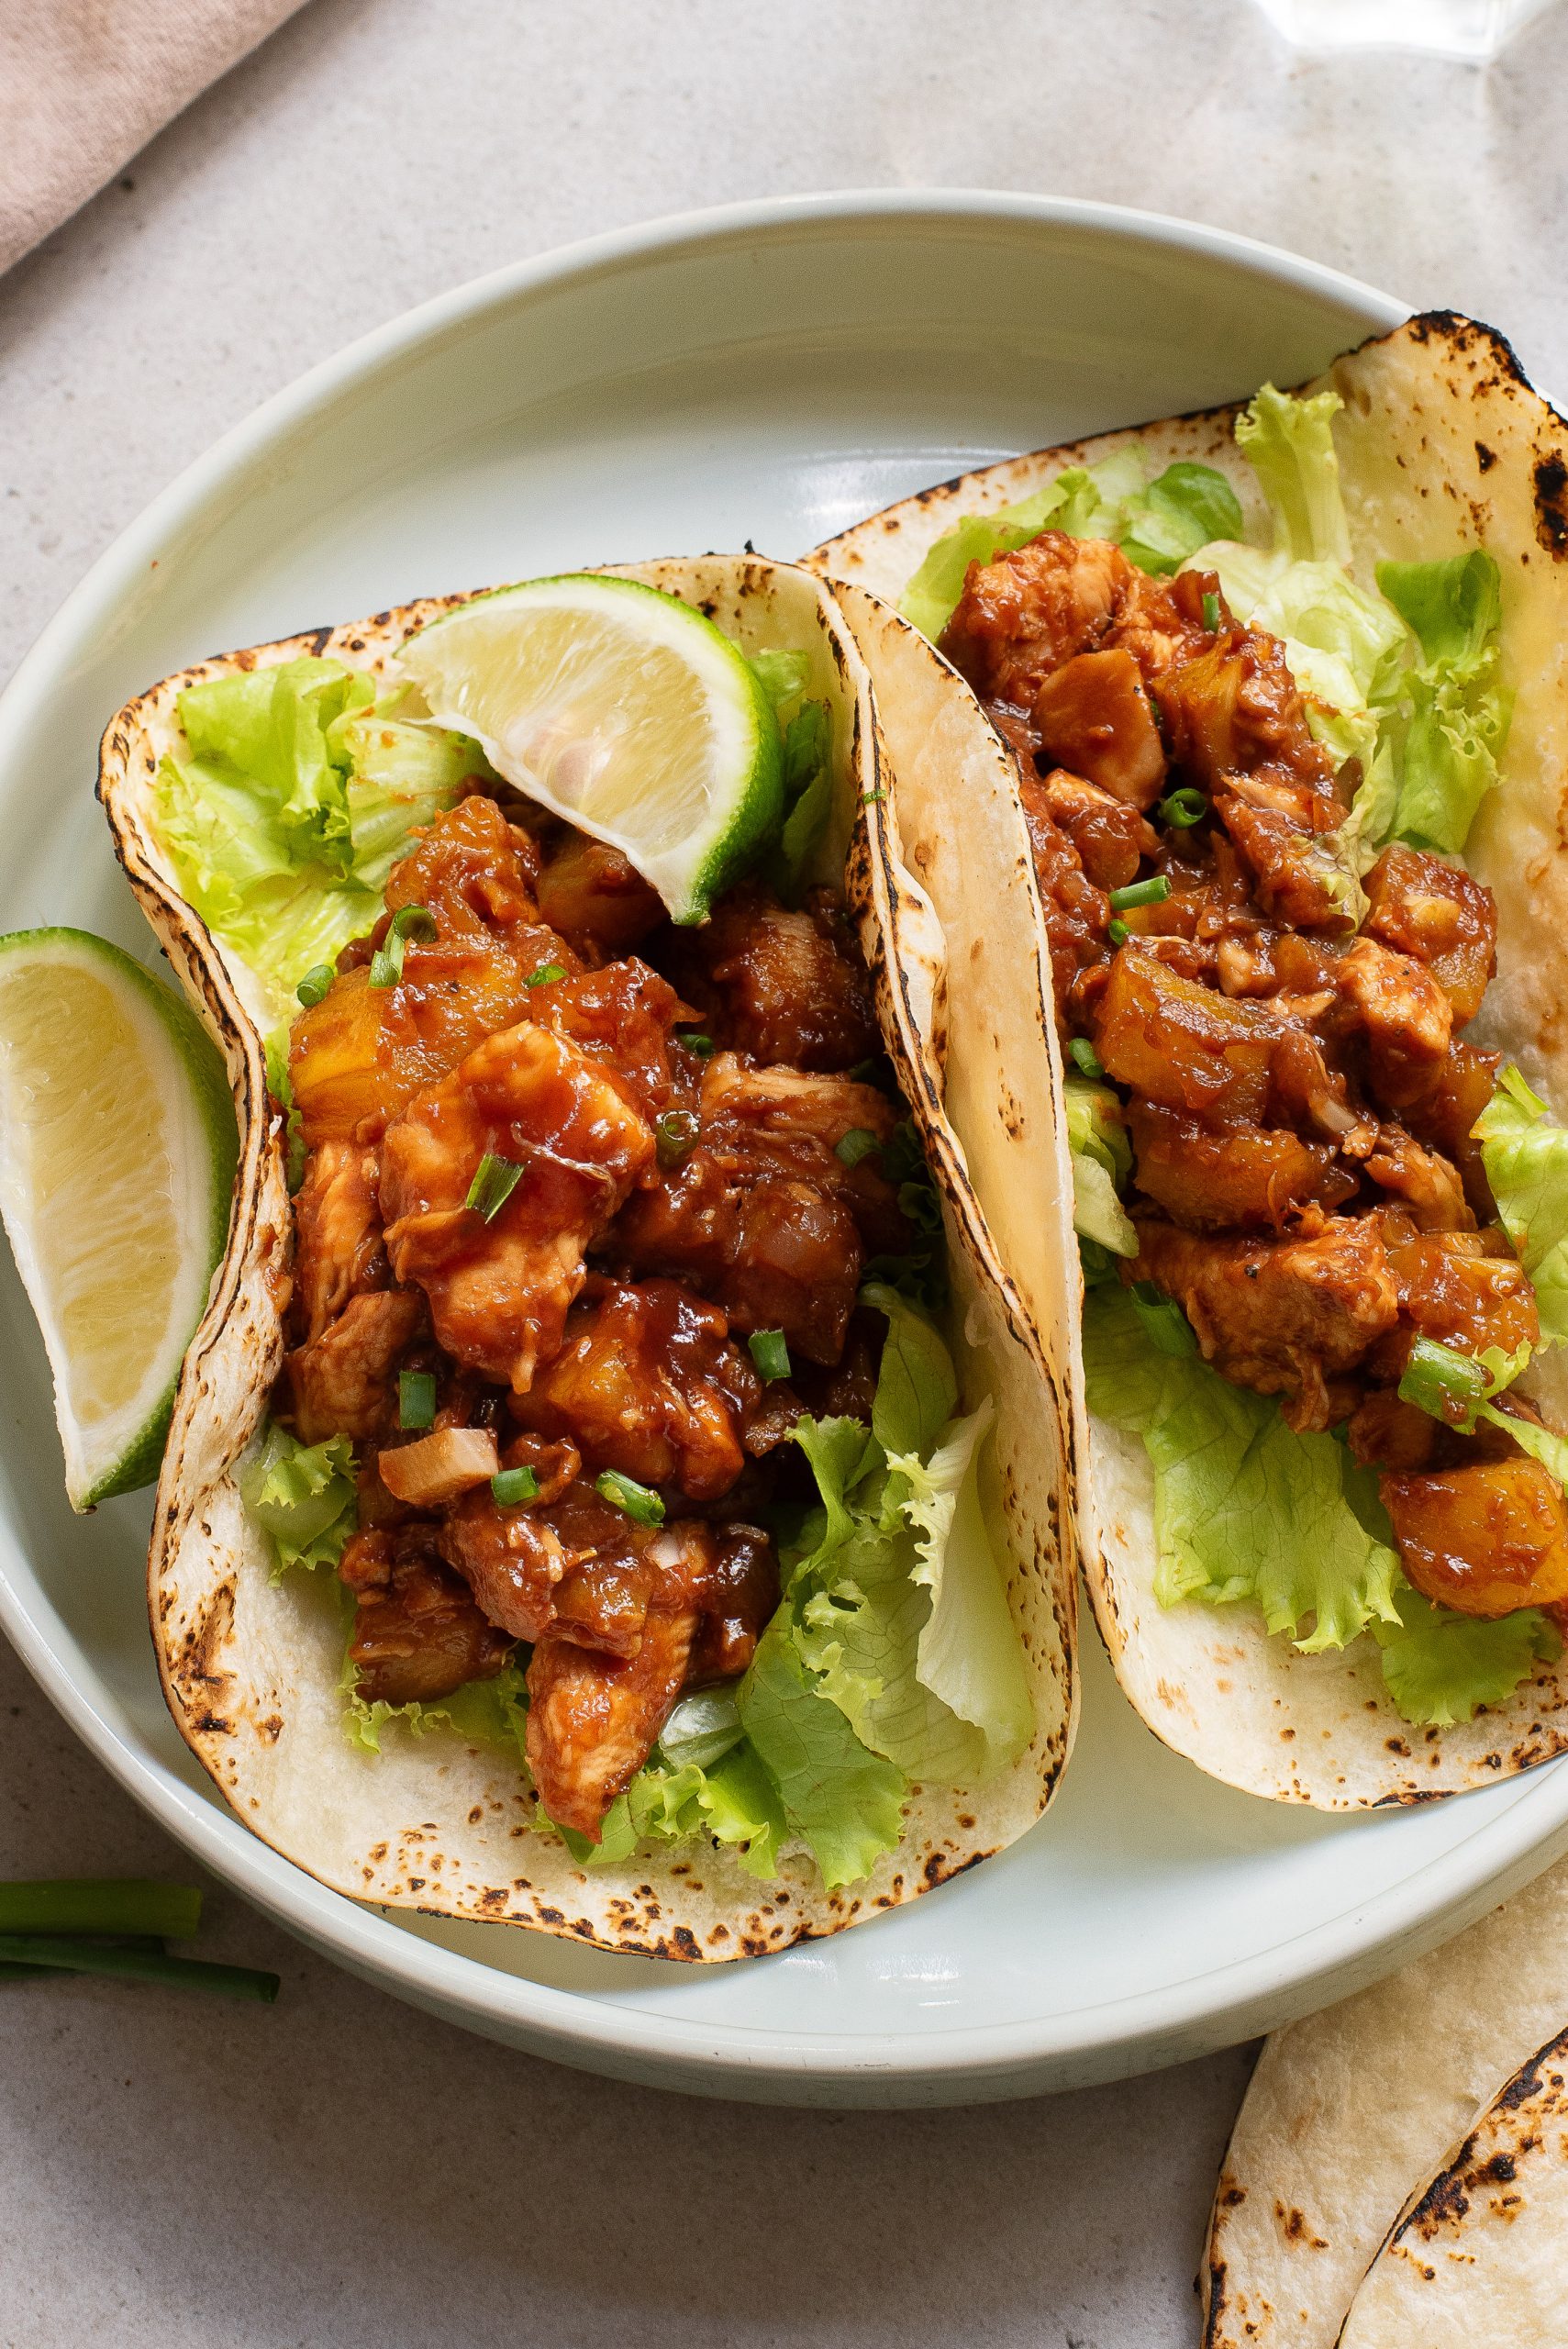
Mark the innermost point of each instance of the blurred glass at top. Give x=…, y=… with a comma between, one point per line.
x=1475, y=29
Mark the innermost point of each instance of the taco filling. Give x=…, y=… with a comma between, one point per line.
x=611, y=1394
x=1317, y=1220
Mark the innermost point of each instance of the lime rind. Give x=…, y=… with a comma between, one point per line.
x=689, y=825
x=196, y=1149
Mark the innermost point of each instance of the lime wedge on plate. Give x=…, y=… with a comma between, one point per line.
x=116, y=1161
x=621, y=709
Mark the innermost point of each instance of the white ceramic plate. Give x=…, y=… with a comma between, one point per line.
x=767, y=373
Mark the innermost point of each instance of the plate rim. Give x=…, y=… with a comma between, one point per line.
x=1098, y=2040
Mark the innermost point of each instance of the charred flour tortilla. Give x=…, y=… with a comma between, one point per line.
x=251, y=1666
x=1442, y=448
x=1352, y=2111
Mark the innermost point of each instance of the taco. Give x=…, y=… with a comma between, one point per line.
x=1281, y=689
x=606, y=1492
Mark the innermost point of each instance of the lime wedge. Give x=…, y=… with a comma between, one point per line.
x=116, y=1161
x=622, y=709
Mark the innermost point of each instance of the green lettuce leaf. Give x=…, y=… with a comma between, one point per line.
x=1102, y=1162
x=808, y=789
x=1289, y=443
x=1525, y=1153
x=845, y=1802
x=1245, y=1509
x=1344, y=644
x=1442, y=1668
x=1158, y=522
x=916, y=1390
x=286, y=815
x=303, y=1497
x=489, y=1712
x=782, y=676
x=1457, y=720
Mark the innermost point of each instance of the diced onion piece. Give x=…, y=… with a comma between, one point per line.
x=439, y=1466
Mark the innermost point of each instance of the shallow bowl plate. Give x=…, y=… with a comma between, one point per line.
x=765, y=374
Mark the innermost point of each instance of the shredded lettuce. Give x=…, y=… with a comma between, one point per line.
x=1343, y=644
x=303, y=1497
x=294, y=798
x=1442, y=1668
x=281, y=1086
x=1102, y=1160
x=1289, y=443
x=1245, y=1510
x=844, y=1801
x=1525, y=1153
x=1458, y=709
x=1157, y=522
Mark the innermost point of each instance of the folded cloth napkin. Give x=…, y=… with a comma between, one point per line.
x=84, y=83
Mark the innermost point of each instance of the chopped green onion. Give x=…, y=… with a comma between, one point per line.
x=101, y=1904
x=1211, y=613
x=314, y=984
x=873, y=798
x=546, y=975
x=1185, y=806
x=1084, y=1058
x=857, y=1143
x=28, y=1951
x=1445, y=1384
x=769, y=1352
x=408, y=922
x=696, y=1042
x=416, y=1398
x=495, y=1180
x=1153, y=892
x=1118, y=932
x=675, y=1134
x=626, y=1493
x=514, y=1484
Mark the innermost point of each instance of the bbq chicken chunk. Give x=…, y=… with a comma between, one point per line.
x=778, y=984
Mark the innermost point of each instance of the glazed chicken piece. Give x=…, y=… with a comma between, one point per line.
x=1230, y=1178
x=1483, y=1540
x=596, y=900
x=737, y=1594
x=623, y=1016
x=499, y=1289
x=362, y=1051
x=593, y=1717
x=344, y=1382
x=1093, y=717
x=1385, y=1432
x=779, y=985
x=647, y=1381
x=1075, y=910
x=1426, y=1184
x=417, y=1634
x=337, y=1243
x=1423, y=906
x=1445, y=1117
x=1111, y=836
x=1023, y=616
x=1403, y=1013
x=1282, y=1317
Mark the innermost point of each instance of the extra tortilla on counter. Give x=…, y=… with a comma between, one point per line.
x=1443, y=446
x=1350, y=2111
x=251, y=1667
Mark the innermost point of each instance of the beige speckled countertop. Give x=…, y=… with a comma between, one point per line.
x=339, y=2170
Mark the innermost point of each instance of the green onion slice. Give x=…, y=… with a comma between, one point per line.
x=696, y=1042
x=769, y=1352
x=675, y=1134
x=546, y=975
x=626, y=1493
x=1084, y=1058
x=415, y=922
x=1445, y=1384
x=1211, y=613
x=314, y=984
x=1153, y=892
x=1118, y=932
x=495, y=1180
x=1184, y=807
x=514, y=1484
x=857, y=1143
x=416, y=1398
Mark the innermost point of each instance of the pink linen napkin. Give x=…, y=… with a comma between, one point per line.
x=85, y=83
